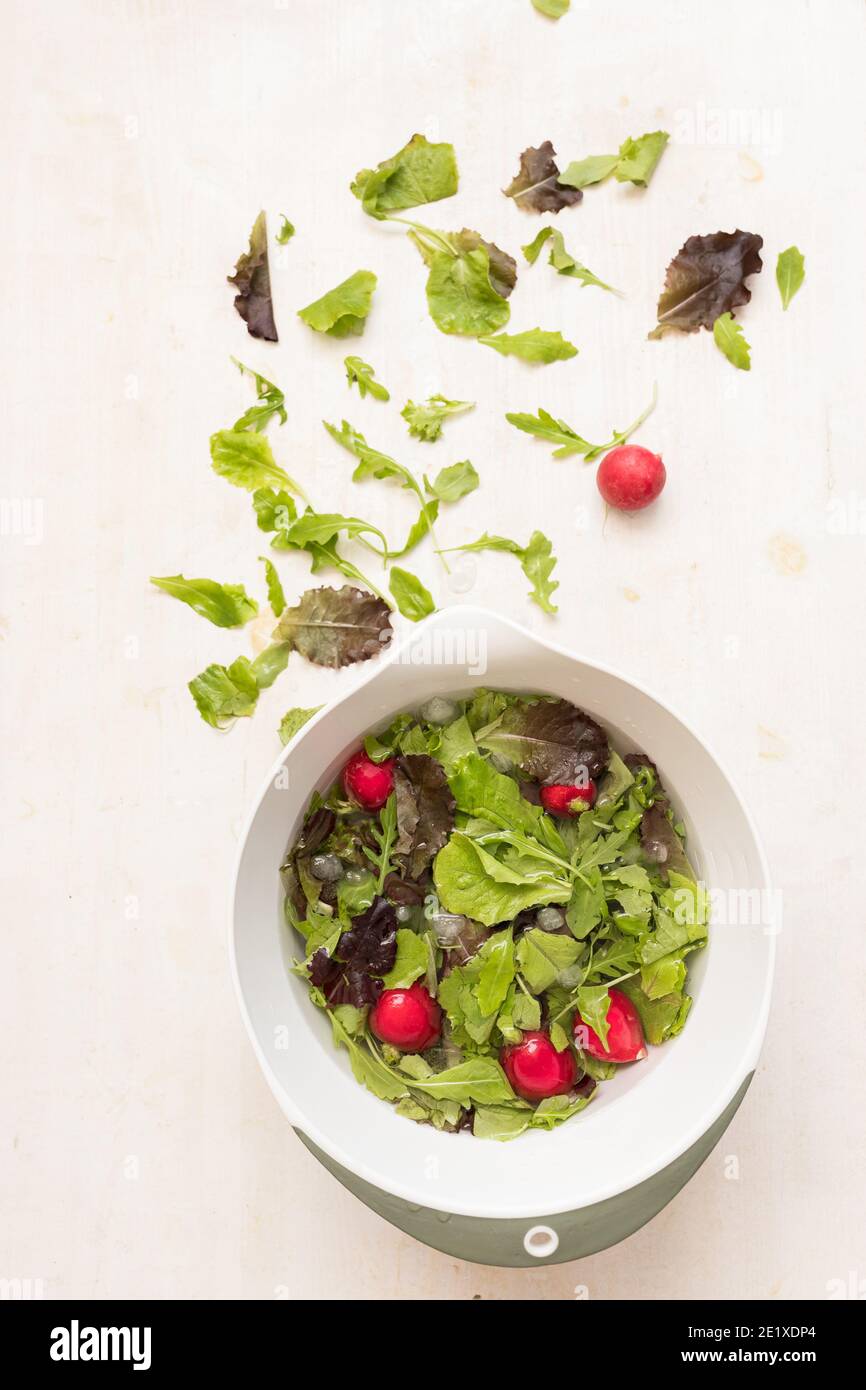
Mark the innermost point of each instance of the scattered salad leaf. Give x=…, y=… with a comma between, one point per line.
x=453, y=482
x=707, y=278
x=286, y=231
x=412, y=599
x=638, y=158
x=244, y=458
x=790, y=273
x=536, y=186
x=294, y=720
x=336, y=627
x=635, y=163
x=224, y=605
x=535, y=345
x=554, y=9
x=271, y=401
x=545, y=426
x=419, y=173
x=461, y=297
x=472, y=882
x=321, y=527
x=276, y=597
x=344, y=309
x=252, y=280
x=224, y=693
x=361, y=373
x=536, y=560
x=729, y=339
x=425, y=421
x=562, y=260
x=374, y=464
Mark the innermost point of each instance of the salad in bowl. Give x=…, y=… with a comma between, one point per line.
x=495, y=910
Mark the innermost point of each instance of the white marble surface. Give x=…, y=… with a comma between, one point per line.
x=142, y=1154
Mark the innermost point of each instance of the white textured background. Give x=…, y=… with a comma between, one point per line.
x=142, y=1154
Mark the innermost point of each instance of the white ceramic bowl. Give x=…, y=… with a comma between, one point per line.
x=643, y=1120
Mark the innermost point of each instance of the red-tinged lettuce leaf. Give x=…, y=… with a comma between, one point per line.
x=252, y=279
x=503, y=268
x=353, y=975
x=425, y=811
x=336, y=627
x=660, y=841
x=551, y=741
x=297, y=880
x=535, y=187
x=706, y=278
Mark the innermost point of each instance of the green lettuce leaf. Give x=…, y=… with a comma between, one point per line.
x=425, y=421
x=553, y=9
x=224, y=693
x=542, y=958
x=344, y=309
x=411, y=962
x=638, y=158
x=594, y=169
x=286, y=231
x=244, y=458
x=276, y=597
x=497, y=971
x=224, y=605
x=461, y=297
x=294, y=720
x=535, y=345
x=419, y=173
x=453, y=482
x=472, y=882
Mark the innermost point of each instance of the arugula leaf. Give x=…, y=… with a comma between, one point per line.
x=499, y=1121
x=294, y=720
x=587, y=904
x=224, y=605
x=224, y=693
x=546, y=426
x=481, y=1079
x=344, y=309
x=562, y=260
x=418, y=530
x=472, y=882
x=453, y=482
x=660, y=1018
x=485, y=794
x=419, y=173
x=635, y=163
x=275, y=511
x=536, y=560
x=270, y=663
x=728, y=336
x=638, y=158
x=536, y=186
x=535, y=345
x=373, y=464
x=707, y=278
x=336, y=627
x=425, y=421
x=244, y=458
x=271, y=401
x=276, y=597
x=361, y=373
x=412, y=599
x=594, y=169
x=593, y=1003
x=790, y=273
x=252, y=280
x=497, y=971
x=322, y=527
x=553, y=9
x=286, y=231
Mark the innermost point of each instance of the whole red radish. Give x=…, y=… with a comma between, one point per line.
x=406, y=1018
x=368, y=783
x=630, y=477
x=535, y=1068
x=563, y=800
x=625, y=1040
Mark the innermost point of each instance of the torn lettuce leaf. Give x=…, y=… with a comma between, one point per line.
x=245, y=459
x=425, y=421
x=225, y=693
x=343, y=310
x=224, y=605
x=536, y=187
x=293, y=720
x=635, y=163
x=286, y=231
x=419, y=173
x=252, y=280
x=359, y=373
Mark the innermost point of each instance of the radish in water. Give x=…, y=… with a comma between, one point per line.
x=625, y=1040
x=368, y=783
x=406, y=1018
x=535, y=1068
x=565, y=801
x=630, y=477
